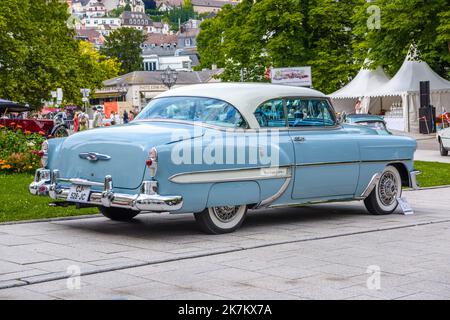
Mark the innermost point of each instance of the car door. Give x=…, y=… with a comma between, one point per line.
x=326, y=157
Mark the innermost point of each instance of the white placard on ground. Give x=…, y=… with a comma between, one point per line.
x=404, y=205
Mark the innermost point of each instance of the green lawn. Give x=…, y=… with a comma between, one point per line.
x=433, y=173
x=17, y=204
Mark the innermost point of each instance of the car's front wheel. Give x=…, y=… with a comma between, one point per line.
x=383, y=199
x=219, y=220
x=444, y=152
x=118, y=214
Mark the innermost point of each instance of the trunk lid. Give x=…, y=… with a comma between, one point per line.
x=126, y=146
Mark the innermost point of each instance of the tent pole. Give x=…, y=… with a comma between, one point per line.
x=407, y=113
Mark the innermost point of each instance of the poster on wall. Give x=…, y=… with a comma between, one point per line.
x=298, y=76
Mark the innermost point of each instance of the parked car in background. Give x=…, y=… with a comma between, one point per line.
x=217, y=150
x=376, y=123
x=443, y=137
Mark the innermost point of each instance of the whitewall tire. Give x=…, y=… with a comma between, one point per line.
x=444, y=152
x=219, y=220
x=383, y=199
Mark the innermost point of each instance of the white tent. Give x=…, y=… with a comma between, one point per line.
x=405, y=85
x=365, y=82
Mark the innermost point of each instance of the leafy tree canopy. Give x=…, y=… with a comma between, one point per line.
x=124, y=44
x=257, y=34
x=425, y=23
x=331, y=36
x=38, y=53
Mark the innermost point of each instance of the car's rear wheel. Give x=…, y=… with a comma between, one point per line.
x=383, y=199
x=219, y=220
x=118, y=214
x=444, y=152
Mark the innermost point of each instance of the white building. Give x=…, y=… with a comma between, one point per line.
x=95, y=22
x=135, y=5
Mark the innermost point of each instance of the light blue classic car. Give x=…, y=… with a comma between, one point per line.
x=372, y=121
x=216, y=150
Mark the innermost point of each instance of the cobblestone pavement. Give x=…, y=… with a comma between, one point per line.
x=327, y=251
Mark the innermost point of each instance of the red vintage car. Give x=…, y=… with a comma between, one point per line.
x=45, y=127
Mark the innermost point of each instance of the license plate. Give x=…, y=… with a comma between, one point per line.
x=79, y=194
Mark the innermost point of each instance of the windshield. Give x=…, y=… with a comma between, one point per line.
x=193, y=109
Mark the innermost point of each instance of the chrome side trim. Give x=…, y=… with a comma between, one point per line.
x=267, y=202
x=413, y=179
x=311, y=164
x=372, y=184
x=232, y=175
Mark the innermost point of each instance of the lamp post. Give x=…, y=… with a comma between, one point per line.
x=169, y=77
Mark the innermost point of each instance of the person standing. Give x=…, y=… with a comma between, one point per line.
x=97, y=118
x=358, y=106
x=83, y=121
x=125, y=117
x=76, y=122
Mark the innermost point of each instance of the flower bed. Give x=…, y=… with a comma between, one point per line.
x=18, y=149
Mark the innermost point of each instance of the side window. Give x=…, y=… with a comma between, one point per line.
x=271, y=114
x=306, y=112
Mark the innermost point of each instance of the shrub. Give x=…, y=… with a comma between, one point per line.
x=18, y=150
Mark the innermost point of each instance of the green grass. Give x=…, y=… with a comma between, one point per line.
x=433, y=173
x=16, y=203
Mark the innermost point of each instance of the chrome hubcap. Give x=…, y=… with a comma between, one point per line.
x=225, y=214
x=388, y=189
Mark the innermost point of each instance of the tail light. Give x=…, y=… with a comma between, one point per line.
x=152, y=161
x=44, y=154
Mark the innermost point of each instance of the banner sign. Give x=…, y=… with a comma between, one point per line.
x=298, y=76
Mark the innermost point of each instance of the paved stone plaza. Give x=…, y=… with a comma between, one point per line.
x=312, y=252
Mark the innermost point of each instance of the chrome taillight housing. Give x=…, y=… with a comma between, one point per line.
x=152, y=161
x=44, y=154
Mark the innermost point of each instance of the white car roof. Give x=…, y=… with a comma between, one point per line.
x=246, y=97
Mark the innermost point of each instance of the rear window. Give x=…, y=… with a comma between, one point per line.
x=193, y=109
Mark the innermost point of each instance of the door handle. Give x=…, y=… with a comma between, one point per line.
x=299, y=139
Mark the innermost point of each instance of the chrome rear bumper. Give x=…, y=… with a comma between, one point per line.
x=46, y=183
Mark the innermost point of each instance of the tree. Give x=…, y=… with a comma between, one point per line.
x=150, y=4
x=38, y=53
x=125, y=45
x=116, y=12
x=425, y=23
x=257, y=34
x=94, y=67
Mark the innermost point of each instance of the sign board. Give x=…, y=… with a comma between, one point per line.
x=298, y=76
x=59, y=94
x=405, y=207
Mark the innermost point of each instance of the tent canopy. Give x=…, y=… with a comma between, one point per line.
x=408, y=78
x=365, y=82
x=9, y=106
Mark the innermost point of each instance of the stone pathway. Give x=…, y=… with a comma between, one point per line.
x=312, y=252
